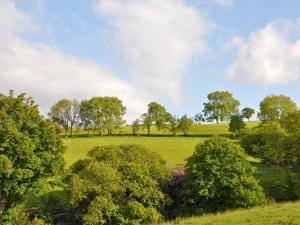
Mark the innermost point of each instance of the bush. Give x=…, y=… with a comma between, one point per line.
x=266, y=141
x=219, y=177
x=118, y=185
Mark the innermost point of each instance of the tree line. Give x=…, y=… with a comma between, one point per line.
x=105, y=115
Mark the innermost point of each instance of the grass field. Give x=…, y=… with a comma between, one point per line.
x=275, y=214
x=175, y=150
x=196, y=130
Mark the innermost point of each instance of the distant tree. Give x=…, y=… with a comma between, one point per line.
x=266, y=142
x=275, y=107
x=60, y=113
x=248, y=113
x=135, y=127
x=74, y=115
x=219, y=177
x=147, y=122
x=31, y=150
x=291, y=126
x=236, y=123
x=199, y=118
x=86, y=115
x=156, y=114
x=107, y=113
x=220, y=106
x=171, y=123
x=118, y=185
x=185, y=124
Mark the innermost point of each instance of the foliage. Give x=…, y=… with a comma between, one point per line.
x=66, y=113
x=248, y=113
x=30, y=149
x=86, y=115
x=219, y=177
x=107, y=113
x=156, y=114
x=135, y=127
x=185, y=124
x=118, y=185
x=220, y=106
x=236, y=123
x=276, y=107
x=171, y=123
x=199, y=118
x=265, y=141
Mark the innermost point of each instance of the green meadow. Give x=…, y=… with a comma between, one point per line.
x=175, y=150
x=275, y=214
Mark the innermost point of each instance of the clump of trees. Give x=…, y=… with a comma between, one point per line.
x=114, y=185
x=157, y=115
x=276, y=139
x=219, y=177
x=220, y=106
x=97, y=114
x=31, y=150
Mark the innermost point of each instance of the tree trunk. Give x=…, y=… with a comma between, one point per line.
x=2, y=206
x=66, y=132
x=71, y=131
x=148, y=127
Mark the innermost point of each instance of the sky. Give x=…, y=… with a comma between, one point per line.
x=171, y=51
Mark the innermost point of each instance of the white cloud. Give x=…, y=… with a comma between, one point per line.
x=158, y=39
x=48, y=74
x=268, y=56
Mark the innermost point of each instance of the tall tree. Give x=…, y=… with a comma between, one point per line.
x=31, y=149
x=247, y=113
x=185, y=124
x=86, y=115
x=275, y=107
x=66, y=113
x=220, y=106
x=236, y=123
x=108, y=113
x=199, y=118
x=171, y=123
x=60, y=113
x=156, y=114
x=74, y=116
x=135, y=127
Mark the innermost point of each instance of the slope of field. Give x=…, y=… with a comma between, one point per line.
x=196, y=130
x=275, y=214
x=173, y=149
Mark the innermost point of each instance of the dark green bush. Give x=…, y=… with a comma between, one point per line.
x=219, y=177
x=118, y=185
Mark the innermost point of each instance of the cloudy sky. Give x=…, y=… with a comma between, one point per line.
x=170, y=51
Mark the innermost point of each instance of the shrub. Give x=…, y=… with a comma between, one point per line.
x=118, y=185
x=219, y=177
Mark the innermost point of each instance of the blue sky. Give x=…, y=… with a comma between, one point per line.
x=171, y=51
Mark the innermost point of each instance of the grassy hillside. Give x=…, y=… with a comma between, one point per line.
x=173, y=149
x=275, y=214
x=196, y=130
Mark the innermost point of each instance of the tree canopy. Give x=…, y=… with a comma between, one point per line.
x=30, y=149
x=220, y=106
x=219, y=177
x=247, y=113
x=118, y=185
x=275, y=107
